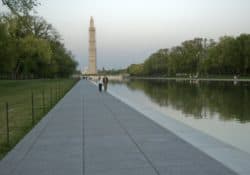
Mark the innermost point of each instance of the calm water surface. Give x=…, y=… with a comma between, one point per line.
x=220, y=109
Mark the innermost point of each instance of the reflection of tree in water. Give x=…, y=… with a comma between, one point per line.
x=201, y=99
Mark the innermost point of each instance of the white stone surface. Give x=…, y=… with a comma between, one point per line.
x=233, y=158
x=92, y=48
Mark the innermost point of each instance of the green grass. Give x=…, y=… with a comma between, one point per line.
x=18, y=95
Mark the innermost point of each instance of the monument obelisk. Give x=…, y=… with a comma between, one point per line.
x=92, y=48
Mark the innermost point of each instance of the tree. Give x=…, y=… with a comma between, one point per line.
x=21, y=27
x=21, y=7
x=156, y=64
x=176, y=60
x=205, y=62
x=34, y=55
x=200, y=56
x=243, y=42
x=135, y=69
x=41, y=29
x=228, y=54
x=7, y=51
x=33, y=49
x=190, y=56
x=62, y=62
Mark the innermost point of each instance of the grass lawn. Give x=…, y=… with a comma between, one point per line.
x=22, y=115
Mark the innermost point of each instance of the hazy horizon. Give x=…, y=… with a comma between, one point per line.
x=129, y=31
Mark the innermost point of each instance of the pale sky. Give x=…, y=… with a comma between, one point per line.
x=128, y=31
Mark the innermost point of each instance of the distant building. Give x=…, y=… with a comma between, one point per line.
x=92, y=48
x=85, y=70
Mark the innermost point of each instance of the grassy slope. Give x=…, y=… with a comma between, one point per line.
x=18, y=95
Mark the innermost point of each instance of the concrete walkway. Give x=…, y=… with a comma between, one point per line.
x=92, y=133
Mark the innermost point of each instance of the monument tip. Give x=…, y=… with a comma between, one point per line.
x=91, y=21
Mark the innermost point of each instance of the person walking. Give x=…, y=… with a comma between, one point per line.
x=100, y=84
x=105, y=83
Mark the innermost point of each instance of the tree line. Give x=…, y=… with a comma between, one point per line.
x=200, y=56
x=112, y=71
x=30, y=45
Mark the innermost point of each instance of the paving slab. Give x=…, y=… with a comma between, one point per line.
x=228, y=155
x=92, y=133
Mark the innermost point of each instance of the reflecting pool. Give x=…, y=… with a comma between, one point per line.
x=220, y=109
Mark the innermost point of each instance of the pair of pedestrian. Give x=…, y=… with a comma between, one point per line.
x=103, y=82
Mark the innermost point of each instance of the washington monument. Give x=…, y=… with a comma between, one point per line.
x=92, y=48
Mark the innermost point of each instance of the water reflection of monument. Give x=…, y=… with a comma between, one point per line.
x=92, y=48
